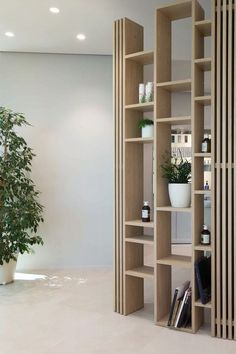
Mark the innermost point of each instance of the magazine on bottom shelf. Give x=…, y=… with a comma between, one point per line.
x=177, y=304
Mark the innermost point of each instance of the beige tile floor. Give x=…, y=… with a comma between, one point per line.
x=70, y=312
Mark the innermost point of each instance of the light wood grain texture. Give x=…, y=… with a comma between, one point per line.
x=141, y=272
x=203, y=100
x=176, y=260
x=141, y=107
x=177, y=85
x=143, y=58
x=204, y=27
x=204, y=63
x=139, y=140
x=139, y=223
x=175, y=120
x=177, y=11
x=143, y=239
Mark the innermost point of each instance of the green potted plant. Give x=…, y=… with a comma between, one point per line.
x=146, y=126
x=178, y=173
x=20, y=210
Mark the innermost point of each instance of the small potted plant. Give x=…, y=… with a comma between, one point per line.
x=178, y=173
x=146, y=126
x=20, y=210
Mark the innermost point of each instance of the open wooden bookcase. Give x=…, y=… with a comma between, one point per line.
x=157, y=233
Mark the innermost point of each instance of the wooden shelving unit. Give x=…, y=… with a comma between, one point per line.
x=157, y=233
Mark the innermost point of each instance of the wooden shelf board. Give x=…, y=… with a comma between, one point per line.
x=203, y=63
x=143, y=239
x=178, y=85
x=177, y=11
x=176, y=260
x=204, y=191
x=203, y=248
x=141, y=107
x=202, y=154
x=141, y=272
x=139, y=223
x=144, y=57
x=204, y=100
x=163, y=323
x=199, y=304
x=204, y=27
x=139, y=140
x=170, y=208
x=175, y=120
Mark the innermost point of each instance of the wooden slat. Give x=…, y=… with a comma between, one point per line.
x=218, y=172
x=224, y=160
x=229, y=181
x=234, y=177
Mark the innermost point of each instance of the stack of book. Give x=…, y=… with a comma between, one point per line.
x=180, y=311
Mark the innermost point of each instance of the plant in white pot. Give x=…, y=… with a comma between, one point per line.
x=146, y=126
x=178, y=173
x=20, y=210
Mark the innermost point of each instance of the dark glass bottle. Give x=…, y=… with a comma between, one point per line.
x=206, y=144
x=146, y=212
x=205, y=236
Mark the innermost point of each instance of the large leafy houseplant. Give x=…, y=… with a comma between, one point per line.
x=20, y=210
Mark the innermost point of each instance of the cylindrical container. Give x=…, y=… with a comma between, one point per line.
x=146, y=212
x=142, y=93
x=149, y=90
x=205, y=236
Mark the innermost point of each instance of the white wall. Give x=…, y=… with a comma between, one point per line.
x=68, y=100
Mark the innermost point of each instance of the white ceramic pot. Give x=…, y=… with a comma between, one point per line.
x=180, y=194
x=7, y=272
x=147, y=132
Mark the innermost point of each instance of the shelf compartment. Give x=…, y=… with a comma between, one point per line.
x=143, y=58
x=176, y=260
x=163, y=323
x=199, y=304
x=203, y=191
x=141, y=272
x=206, y=248
x=177, y=11
x=139, y=140
x=143, y=239
x=141, y=107
x=202, y=154
x=204, y=27
x=170, y=208
x=175, y=120
x=204, y=100
x=178, y=85
x=140, y=223
x=204, y=64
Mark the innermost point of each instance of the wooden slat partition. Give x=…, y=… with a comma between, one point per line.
x=118, y=164
x=224, y=176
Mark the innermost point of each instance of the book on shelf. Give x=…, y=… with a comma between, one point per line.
x=184, y=313
x=203, y=278
x=176, y=302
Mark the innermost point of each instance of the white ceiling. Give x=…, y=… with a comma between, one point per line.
x=38, y=30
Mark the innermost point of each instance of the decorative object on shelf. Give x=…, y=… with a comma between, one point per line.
x=142, y=96
x=149, y=91
x=175, y=305
x=147, y=128
x=206, y=186
x=178, y=173
x=205, y=236
x=21, y=212
x=146, y=212
x=203, y=278
x=206, y=144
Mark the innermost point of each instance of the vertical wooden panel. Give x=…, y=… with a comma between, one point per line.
x=224, y=160
x=218, y=172
x=229, y=194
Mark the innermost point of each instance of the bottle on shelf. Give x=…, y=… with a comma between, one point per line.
x=206, y=143
x=205, y=236
x=146, y=212
x=206, y=186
